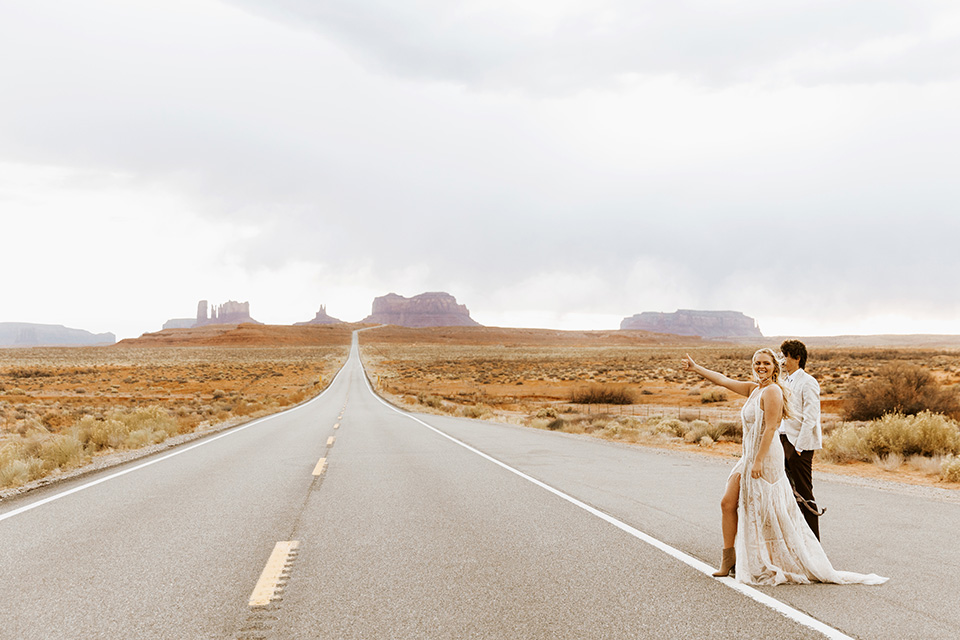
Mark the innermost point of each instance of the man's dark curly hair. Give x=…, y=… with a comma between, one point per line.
x=795, y=349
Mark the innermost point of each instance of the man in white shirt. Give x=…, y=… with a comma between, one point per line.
x=801, y=434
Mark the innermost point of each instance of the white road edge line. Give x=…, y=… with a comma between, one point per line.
x=176, y=452
x=750, y=592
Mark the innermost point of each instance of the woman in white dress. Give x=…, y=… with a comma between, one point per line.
x=765, y=537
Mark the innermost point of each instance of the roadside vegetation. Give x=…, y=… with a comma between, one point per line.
x=60, y=408
x=38, y=452
x=603, y=394
x=900, y=388
x=892, y=409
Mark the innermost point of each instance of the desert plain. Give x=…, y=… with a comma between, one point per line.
x=61, y=408
x=58, y=405
x=535, y=377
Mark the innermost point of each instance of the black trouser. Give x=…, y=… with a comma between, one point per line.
x=800, y=470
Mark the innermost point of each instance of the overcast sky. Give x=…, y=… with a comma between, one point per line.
x=552, y=163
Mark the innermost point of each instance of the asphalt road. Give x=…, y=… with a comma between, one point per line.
x=435, y=527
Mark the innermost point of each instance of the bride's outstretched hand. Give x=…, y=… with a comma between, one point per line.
x=688, y=363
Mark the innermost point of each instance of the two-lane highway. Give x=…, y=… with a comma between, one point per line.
x=357, y=520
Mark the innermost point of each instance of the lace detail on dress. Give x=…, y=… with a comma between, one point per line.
x=774, y=543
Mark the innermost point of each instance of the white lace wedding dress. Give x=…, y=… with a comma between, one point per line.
x=774, y=543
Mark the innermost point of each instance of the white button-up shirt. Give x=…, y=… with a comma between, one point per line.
x=802, y=428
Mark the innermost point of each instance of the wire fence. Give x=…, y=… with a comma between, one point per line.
x=710, y=414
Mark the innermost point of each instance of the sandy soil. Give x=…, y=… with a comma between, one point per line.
x=514, y=373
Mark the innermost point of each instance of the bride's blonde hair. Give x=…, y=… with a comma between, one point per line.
x=777, y=368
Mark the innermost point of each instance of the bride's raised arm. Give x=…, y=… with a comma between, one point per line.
x=744, y=388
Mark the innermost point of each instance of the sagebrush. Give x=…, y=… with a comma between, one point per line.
x=899, y=388
x=924, y=434
x=603, y=394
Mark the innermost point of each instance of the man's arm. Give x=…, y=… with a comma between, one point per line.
x=810, y=416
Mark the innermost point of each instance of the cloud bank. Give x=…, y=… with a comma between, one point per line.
x=567, y=163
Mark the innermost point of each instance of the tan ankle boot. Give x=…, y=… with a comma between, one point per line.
x=727, y=563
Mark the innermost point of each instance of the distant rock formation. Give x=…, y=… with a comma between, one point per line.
x=180, y=323
x=230, y=312
x=436, y=309
x=25, y=334
x=689, y=322
x=320, y=318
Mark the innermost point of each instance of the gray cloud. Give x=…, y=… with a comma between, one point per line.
x=568, y=47
x=499, y=151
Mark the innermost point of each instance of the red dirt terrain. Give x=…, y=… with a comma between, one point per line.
x=252, y=335
x=523, y=337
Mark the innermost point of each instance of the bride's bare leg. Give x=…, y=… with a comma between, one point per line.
x=728, y=507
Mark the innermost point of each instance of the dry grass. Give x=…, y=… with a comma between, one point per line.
x=603, y=394
x=925, y=434
x=517, y=382
x=451, y=367
x=713, y=395
x=522, y=378
x=950, y=470
x=931, y=466
x=889, y=462
x=655, y=430
x=60, y=407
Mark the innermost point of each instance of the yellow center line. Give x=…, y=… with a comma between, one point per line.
x=321, y=465
x=268, y=586
x=336, y=426
x=330, y=441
